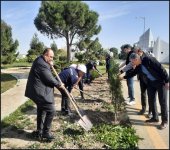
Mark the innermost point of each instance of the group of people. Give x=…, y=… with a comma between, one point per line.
x=41, y=82
x=40, y=89
x=153, y=79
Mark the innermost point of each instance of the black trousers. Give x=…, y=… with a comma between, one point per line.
x=65, y=102
x=143, y=88
x=45, y=115
x=153, y=87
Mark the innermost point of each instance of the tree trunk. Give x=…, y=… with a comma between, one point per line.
x=68, y=50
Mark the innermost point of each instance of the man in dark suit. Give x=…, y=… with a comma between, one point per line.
x=157, y=80
x=40, y=89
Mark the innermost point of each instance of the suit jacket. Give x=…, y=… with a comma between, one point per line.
x=41, y=83
x=154, y=67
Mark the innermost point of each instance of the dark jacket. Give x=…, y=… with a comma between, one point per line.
x=41, y=82
x=154, y=67
x=69, y=77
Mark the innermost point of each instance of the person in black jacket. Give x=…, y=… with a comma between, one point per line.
x=40, y=89
x=130, y=81
x=90, y=66
x=107, y=65
x=157, y=80
x=143, y=86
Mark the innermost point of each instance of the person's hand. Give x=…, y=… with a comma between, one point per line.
x=61, y=86
x=120, y=77
x=119, y=74
x=75, y=85
x=167, y=86
x=51, y=63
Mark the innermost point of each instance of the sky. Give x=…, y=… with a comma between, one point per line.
x=121, y=21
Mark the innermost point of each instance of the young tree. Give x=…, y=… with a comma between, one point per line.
x=36, y=48
x=8, y=46
x=68, y=19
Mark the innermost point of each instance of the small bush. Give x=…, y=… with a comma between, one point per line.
x=116, y=136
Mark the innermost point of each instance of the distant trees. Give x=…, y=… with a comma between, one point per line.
x=55, y=49
x=68, y=19
x=93, y=50
x=8, y=45
x=36, y=48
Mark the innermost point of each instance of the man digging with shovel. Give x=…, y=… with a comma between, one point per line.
x=69, y=77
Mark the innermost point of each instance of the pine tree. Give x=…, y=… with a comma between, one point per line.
x=8, y=46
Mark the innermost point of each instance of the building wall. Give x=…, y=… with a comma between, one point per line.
x=161, y=51
x=159, y=47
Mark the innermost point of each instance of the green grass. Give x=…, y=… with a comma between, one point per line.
x=102, y=69
x=16, y=64
x=7, y=82
x=17, y=119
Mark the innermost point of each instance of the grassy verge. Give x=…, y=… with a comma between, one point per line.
x=17, y=118
x=7, y=82
x=16, y=64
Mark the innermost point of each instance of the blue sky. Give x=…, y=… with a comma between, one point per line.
x=117, y=18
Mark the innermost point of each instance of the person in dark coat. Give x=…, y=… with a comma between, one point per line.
x=107, y=64
x=40, y=89
x=143, y=86
x=69, y=78
x=90, y=66
x=157, y=79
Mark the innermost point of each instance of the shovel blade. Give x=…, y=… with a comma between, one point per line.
x=85, y=123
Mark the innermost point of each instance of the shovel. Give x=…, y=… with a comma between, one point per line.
x=84, y=120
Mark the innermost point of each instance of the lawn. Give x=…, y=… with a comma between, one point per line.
x=7, y=82
x=16, y=64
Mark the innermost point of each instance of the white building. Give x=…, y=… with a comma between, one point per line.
x=159, y=47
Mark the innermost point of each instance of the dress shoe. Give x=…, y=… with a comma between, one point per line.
x=48, y=136
x=163, y=125
x=152, y=120
x=36, y=134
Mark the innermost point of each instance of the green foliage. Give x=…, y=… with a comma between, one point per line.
x=93, y=49
x=36, y=48
x=55, y=50
x=117, y=137
x=8, y=46
x=68, y=19
x=79, y=56
x=94, y=74
x=115, y=87
x=31, y=58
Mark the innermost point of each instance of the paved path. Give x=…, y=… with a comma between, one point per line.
x=14, y=97
x=153, y=138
